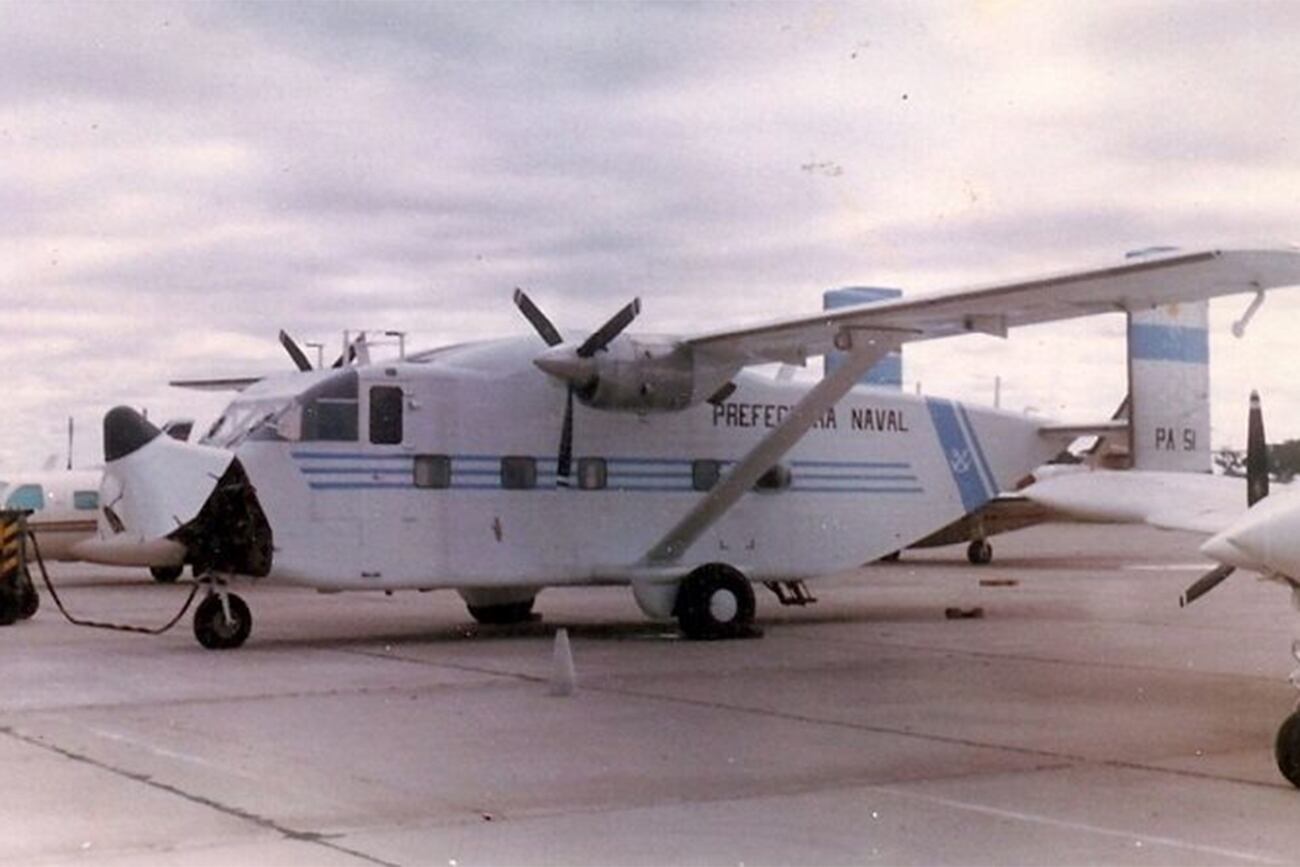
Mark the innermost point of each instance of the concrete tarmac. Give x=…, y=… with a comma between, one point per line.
x=1084, y=719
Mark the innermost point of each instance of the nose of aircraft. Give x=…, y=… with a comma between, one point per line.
x=1264, y=540
x=157, y=488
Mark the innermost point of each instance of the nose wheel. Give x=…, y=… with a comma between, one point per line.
x=222, y=621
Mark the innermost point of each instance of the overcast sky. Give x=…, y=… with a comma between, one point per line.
x=180, y=181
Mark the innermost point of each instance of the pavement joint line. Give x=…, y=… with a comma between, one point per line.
x=1048, y=660
x=310, y=837
x=1040, y=819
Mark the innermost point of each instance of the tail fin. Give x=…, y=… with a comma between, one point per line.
x=1169, y=386
x=888, y=372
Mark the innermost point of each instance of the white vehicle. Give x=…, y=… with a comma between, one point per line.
x=658, y=462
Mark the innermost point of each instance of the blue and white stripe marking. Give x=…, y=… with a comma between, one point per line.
x=346, y=471
x=1180, y=343
x=963, y=453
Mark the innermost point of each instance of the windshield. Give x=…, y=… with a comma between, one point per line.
x=241, y=418
x=327, y=411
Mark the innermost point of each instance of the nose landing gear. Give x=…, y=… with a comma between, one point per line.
x=222, y=621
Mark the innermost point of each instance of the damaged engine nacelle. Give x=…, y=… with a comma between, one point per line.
x=641, y=376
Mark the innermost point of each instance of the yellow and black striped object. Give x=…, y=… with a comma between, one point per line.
x=13, y=530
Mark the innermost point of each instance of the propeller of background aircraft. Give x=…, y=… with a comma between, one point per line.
x=1256, y=490
x=574, y=366
x=295, y=351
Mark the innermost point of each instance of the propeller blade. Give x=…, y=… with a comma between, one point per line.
x=294, y=351
x=564, y=462
x=538, y=319
x=1205, y=584
x=1256, y=454
x=611, y=329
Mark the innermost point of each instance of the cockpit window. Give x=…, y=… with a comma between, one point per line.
x=26, y=497
x=329, y=410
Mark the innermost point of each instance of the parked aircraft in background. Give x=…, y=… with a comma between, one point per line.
x=1265, y=540
x=502, y=467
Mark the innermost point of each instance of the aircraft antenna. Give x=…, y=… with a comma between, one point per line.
x=69, y=442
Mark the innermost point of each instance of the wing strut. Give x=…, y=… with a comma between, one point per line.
x=865, y=348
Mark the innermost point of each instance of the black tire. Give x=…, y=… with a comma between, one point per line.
x=503, y=615
x=1286, y=749
x=29, y=601
x=715, y=602
x=10, y=604
x=214, y=631
x=166, y=574
x=979, y=553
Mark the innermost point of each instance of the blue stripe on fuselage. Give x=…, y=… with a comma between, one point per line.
x=960, y=454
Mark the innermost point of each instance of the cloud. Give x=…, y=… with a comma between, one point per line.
x=182, y=180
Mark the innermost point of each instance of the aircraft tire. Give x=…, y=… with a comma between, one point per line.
x=214, y=631
x=503, y=615
x=716, y=602
x=166, y=574
x=1286, y=749
x=979, y=552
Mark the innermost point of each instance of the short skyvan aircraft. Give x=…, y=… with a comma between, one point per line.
x=659, y=462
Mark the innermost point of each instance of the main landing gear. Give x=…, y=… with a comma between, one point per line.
x=506, y=614
x=166, y=574
x=222, y=621
x=716, y=601
x=979, y=552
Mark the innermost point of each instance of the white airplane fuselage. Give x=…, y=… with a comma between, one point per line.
x=880, y=470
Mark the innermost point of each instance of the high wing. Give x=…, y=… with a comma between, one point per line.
x=868, y=332
x=994, y=308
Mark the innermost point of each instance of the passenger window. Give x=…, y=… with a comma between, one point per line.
x=386, y=415
x=329, y=411
x=592, y=474
x=518, y=473
x=85, y=500
x=432, y=471
x=705, y=474
x=27, y=497
x=777, y=478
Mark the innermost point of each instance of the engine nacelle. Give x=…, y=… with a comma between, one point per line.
x=640, y=375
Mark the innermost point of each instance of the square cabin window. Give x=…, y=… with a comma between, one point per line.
x=593, y=474
x=85, y=501
x=705, y=474
x=518, y=473
x=432, y=471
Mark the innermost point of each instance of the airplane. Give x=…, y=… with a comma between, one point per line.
x=1264, y=540
x=502, y=467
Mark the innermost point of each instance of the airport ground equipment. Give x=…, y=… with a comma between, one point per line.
x=18, y=597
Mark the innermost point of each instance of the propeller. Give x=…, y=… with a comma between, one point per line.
x=1256, y=490
x=295, y=352
x=573, y=366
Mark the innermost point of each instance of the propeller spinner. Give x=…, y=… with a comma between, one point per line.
x=574, y=366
